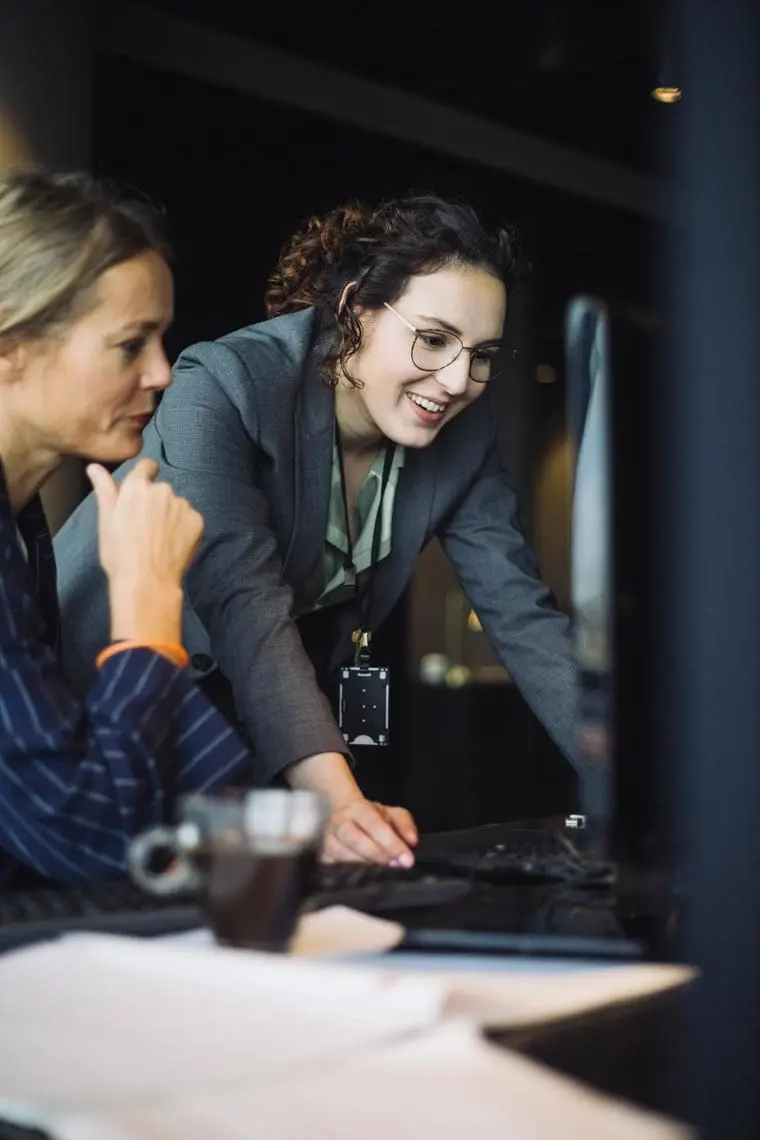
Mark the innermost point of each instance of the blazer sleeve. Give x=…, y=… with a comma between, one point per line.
x=235, y=585
x=78, y=779
x=498, y=572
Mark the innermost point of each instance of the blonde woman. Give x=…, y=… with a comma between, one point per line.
x=85, y=299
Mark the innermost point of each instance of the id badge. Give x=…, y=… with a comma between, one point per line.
x=364, y=704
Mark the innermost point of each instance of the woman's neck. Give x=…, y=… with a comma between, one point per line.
x=27, y=463
x=358, y=434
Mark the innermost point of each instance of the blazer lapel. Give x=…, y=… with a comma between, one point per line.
x=315, y=418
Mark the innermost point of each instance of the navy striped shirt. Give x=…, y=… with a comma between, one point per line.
x=79, y=779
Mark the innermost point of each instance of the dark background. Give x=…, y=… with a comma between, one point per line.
x=236, y=173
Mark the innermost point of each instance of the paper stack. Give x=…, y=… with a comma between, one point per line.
x=108, y=1038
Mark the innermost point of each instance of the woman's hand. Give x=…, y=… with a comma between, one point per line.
x=366, y=832
x=148, y=536
x=144, y=528
x=358, y=830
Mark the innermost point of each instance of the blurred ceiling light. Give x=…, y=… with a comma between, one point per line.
x=664, y=93
x=665, y=88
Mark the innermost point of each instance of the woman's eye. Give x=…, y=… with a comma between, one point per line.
x=132, y=348
x=434, y=339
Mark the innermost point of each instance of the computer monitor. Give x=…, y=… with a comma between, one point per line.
x=611, y=365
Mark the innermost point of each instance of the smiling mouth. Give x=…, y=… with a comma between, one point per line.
x=426, y=404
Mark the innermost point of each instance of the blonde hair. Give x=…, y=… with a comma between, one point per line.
x=58, y=234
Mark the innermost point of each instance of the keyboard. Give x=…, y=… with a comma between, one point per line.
x=105, y=908
x=122, y=908
x=440, y=876
x=522, y=854
x=385, y=890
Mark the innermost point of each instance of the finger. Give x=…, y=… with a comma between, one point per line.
x=403, y=822
x=358, y=844
x=145, y=470
x=334, y=852
x=106, y=491
x=373, y=822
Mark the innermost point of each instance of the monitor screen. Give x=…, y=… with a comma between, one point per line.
x=587, y=373
x=611, y=380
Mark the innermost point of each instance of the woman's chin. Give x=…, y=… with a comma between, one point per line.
x=117, y=450
x=414, y=436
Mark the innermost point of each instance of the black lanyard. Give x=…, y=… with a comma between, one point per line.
x=363, y=634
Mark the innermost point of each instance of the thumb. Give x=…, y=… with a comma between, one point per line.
x=106, y=491
x=145, y=469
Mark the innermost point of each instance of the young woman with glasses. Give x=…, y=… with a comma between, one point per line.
x=325, y=448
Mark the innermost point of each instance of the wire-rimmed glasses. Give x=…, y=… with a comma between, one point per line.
x=435, y=349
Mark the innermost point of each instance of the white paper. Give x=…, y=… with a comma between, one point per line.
x=524, y=997
x=108, y=1028
x=515, y=994
x=334, y=931
x=93, y=1020
x=446, y=1085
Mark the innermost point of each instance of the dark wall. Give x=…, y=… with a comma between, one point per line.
x=45, y=118
x=236, y=173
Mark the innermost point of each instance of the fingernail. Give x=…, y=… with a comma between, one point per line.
x=406, y=860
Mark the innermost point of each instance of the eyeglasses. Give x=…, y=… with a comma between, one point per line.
x=435, y=349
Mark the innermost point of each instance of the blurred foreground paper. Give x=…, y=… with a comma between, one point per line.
x=447, y=1084
x=521, y=992
x=126, y=1036
x=96, y=1021
x=524, y=996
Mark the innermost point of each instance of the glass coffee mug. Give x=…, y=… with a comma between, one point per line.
x=250, y=857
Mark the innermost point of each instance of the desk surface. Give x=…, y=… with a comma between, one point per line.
x=615, y=1050
x=621, y=1049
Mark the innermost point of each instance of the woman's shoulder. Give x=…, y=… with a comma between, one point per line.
x=254, y=374
x=279, y=346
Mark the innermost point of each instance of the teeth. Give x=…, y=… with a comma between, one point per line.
x=428, y=405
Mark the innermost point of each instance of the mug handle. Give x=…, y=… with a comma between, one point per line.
x=181, y=875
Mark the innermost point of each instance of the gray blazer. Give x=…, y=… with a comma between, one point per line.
x=245, y=434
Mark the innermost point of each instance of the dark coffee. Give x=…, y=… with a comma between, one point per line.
x=252, y=897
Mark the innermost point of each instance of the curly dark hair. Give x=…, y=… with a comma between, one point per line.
x=380, y=249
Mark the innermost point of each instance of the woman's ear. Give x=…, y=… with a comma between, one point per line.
x=12, y=358
x=343, y=300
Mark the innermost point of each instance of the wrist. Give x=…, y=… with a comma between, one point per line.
x=145, y=612
x=328, y=774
